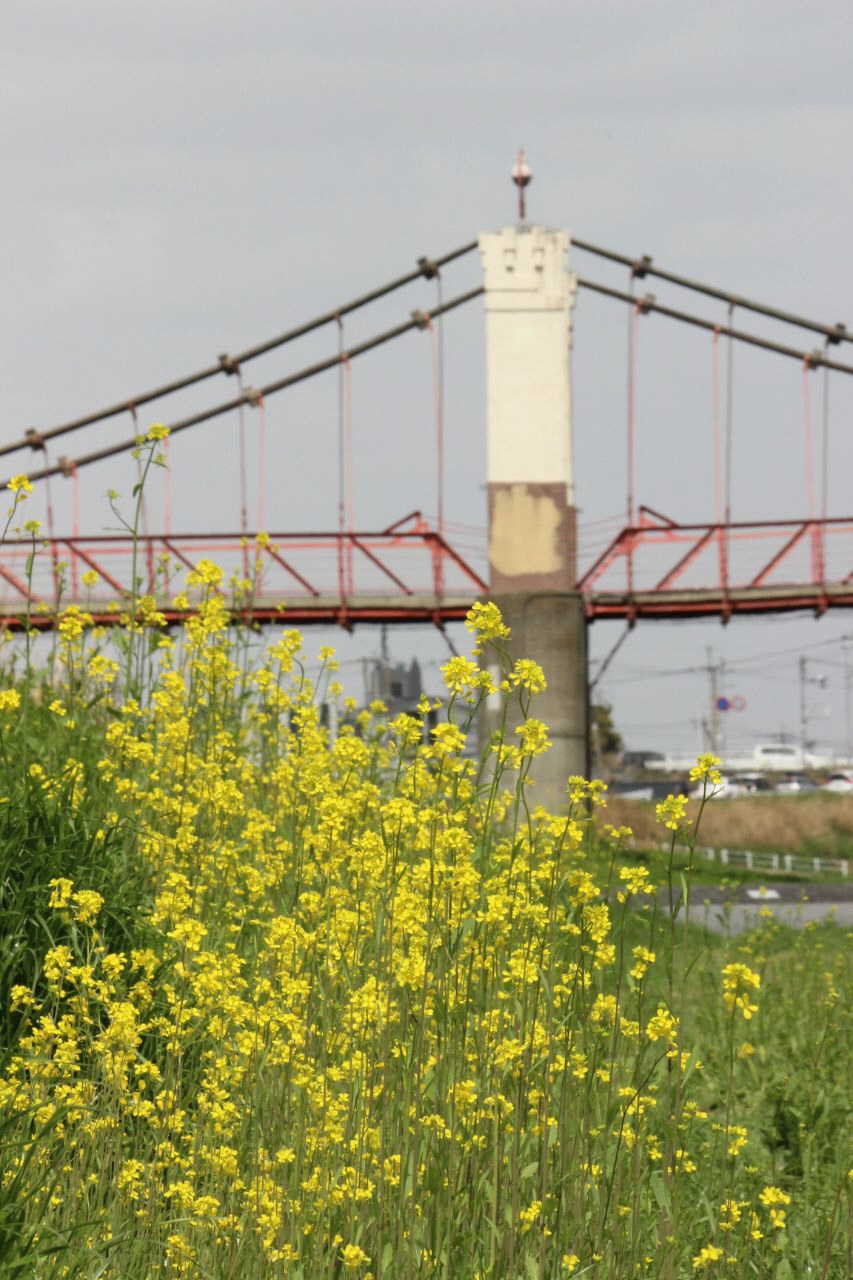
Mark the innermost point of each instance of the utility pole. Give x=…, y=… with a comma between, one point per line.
x=848, y=691
x=803, y=717
x=715, y=710
x=805, y=680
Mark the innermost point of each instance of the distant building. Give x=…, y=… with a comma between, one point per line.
x=398, y=686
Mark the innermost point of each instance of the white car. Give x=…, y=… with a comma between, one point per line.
x=839, y=782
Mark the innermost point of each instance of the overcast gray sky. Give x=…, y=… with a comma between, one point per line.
x=186, y=179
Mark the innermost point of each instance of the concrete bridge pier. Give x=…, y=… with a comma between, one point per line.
x=528, y=302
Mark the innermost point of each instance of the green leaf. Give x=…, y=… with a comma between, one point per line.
x=660, y=1191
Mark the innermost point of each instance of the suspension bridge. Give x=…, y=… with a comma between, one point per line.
x=653, y=567
x=420, y=569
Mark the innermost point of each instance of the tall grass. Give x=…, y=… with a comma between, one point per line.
x=279, y=1006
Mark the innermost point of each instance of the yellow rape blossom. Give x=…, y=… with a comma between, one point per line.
x=738, y=981
x=671, y=811
x=706, y=1256
x=707, y=766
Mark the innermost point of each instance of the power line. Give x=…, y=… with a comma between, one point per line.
x=252, y=395
x=427, y=269
x=637, y=674
x=783, y=653
x=641, y=267
x=647, y=304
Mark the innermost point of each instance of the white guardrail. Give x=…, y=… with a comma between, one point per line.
x=775, y=861
x=758, y=861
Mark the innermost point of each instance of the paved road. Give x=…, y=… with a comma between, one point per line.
x=795, y=904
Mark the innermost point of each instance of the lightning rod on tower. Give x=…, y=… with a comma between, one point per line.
x=521, y=176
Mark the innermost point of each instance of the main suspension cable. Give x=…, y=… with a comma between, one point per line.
x=644, y=267
x=251, y=395
x=739, y=335
x=426, y=269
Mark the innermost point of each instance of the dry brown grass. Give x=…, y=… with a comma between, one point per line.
x=781, y=824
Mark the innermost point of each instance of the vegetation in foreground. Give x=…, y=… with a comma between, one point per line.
x=275, y=1007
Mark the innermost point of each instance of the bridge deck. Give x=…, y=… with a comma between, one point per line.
x=408, y=573
x=703, y=603
x=351, y=611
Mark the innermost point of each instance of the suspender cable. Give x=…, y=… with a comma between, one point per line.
x=75, y=526
x=817, y=567
x=346, y=369
x=633, y=317
x=807, y=433
x=435, y=354
x=644, y=267
x=262, y=460
x=730, y=405
x=342, y=523
x=54, y=550
x=75, y=489
x=715, y=427
x=270, y=388
x=824, y=450
x=143, y=510
x=633, y=322
x=167, y=487
x=438, y=358
x=244, y=496
x=426, y=269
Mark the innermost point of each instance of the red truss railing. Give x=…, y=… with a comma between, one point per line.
x=661, y=569
x=407, y=572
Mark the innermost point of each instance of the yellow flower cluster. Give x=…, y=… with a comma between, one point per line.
x=370, y=983
x=671, y=811
x=738, y=981
x=707, y=768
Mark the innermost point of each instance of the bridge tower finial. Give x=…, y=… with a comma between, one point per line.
x=522, y=176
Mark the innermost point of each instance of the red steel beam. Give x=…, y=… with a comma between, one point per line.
x=407, y=591
x=476, y=580
x=72, y=546
x=760, y=577
x=16, y=582
x=290, y=569
x=688, y=558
